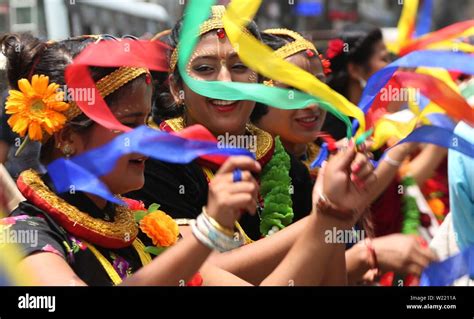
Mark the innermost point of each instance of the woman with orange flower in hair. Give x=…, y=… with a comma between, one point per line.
x=86, y=240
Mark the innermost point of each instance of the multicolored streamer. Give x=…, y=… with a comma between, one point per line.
x=82, y=172
x=196, y=13
x=456, y=61
x=445, y=272
x=445, y=35
x=437, y=91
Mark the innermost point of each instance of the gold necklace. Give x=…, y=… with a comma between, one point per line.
x=117, y=234
x=264, y=139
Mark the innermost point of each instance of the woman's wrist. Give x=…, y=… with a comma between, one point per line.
x=213, y=235
x=329, y=213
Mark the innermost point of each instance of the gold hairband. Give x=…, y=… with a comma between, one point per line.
x=215, y=22
x=300, y=43
x=109, y=84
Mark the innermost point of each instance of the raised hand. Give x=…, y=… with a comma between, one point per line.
x=343, y=180
x=228, y=199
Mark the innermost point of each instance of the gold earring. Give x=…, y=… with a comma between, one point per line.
x=67, y=150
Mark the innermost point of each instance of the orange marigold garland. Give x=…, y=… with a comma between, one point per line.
x=36, y=108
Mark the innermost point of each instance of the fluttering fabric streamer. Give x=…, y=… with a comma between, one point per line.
x=445, y=36
x=196, y=12
x=126, y=52
x=405, y=26
x=437, y=91
x=253, y=52
x=82, y=172
x=10, y=256
x=425, y=87
x=423, y=23
x=443, y=98
x=456, y=61
x=445, y=272
x=442, y=137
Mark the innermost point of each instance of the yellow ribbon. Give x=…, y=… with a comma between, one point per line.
x=406, y=25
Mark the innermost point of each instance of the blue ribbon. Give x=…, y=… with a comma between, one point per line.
x=442, y=137
x=82, y=172
x=423, y=25
x=445, y=272
x=322, y=156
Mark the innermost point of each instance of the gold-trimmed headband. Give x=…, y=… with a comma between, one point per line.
x=109, y=84
x=213, y=23
x=300, y=43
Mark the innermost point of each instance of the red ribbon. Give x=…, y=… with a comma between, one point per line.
x=126, y=52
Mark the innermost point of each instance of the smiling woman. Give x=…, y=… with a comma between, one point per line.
x=183, y=188
x=298, y=129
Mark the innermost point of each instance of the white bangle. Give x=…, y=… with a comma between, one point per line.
x=200, y=236
x=391, y=161
x=212, y=237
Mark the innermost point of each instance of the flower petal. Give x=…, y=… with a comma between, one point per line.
x=25, y=87
x=34, y=131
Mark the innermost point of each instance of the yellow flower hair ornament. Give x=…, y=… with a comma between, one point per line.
x=36, y=109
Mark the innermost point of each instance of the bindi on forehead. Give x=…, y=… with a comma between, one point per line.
x=211, y=46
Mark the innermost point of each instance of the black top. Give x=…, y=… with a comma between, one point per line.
x=47, y=235
x=181, y=190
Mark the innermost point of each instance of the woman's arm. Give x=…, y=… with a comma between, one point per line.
x=308, y=260
x=173, y=267
x=178, y=263
x=424, y=164
x=256, y=261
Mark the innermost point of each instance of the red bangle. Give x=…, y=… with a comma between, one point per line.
x=373, y=263
x=324, y=206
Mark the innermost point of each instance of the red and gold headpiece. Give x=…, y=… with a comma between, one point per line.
x=213, y=23
x=299, y=44
x=39, y=109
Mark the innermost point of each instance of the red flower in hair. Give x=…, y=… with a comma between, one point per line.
x=335, y=47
